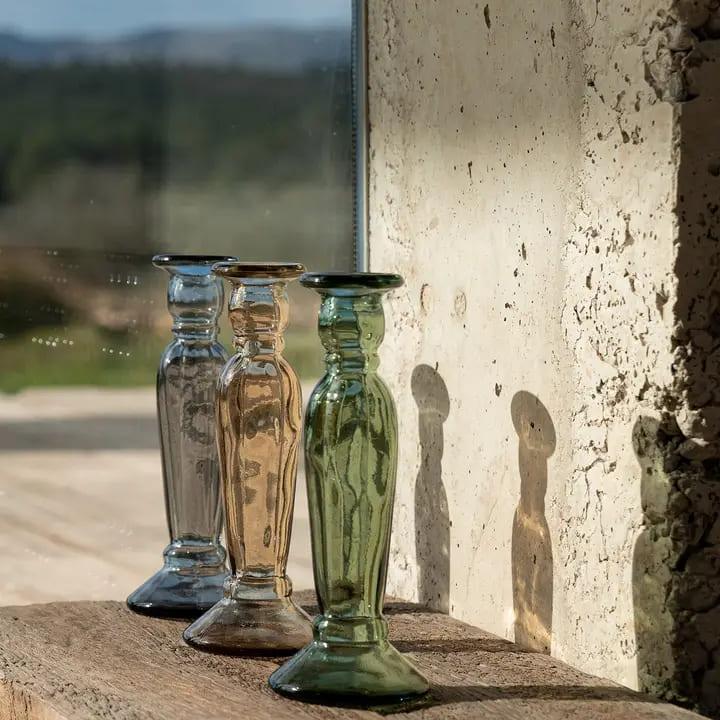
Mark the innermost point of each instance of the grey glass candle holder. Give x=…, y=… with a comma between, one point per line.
x=191, y=579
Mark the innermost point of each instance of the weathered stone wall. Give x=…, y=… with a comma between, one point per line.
x=546, y=178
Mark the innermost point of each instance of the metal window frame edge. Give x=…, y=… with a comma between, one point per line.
x=360, y=130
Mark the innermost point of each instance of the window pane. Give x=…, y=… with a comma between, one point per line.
x=127, y=129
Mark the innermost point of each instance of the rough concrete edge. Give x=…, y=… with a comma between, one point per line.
x=680, y=502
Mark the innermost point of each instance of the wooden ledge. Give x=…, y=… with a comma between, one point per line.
x=82, y=661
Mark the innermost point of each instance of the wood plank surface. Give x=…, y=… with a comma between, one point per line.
x=77, y=661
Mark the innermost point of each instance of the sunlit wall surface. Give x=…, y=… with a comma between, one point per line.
x=127, y=129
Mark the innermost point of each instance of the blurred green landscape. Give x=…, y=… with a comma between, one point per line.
x=185, y=125
x=103, y=164
x=45, y=358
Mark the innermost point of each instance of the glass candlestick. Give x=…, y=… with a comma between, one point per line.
x=259, y=424
x=194, y=570
x=350, y=464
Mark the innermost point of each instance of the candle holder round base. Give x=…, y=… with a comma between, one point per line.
x=349, y=674
x=251, y=620
x=188, y=584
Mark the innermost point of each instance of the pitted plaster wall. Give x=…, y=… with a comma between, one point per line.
x=526, y=179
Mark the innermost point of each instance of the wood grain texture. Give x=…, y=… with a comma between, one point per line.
x=77, y=661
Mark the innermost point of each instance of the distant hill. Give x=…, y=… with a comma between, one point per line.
x=258, y=48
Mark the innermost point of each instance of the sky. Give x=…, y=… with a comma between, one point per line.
x=116, y=17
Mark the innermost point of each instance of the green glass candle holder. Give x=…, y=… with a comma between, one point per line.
x=351, y=464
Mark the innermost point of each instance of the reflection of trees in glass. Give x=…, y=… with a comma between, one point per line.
x=184, y=125
x=104, y=163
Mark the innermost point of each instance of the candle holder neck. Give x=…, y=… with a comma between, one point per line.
x=194, y=300
x=195, y=334
x=258, y=316
x=351, y=329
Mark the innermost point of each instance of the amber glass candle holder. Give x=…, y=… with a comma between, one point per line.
x=350, y=464
x=193, y=573
x=259, y=424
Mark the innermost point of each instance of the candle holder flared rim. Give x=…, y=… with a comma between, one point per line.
x=167, y=259
x=352, y=281
x=236, y=270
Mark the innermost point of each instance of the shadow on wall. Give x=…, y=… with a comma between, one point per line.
x=432, y=516
x=532, y=557
x=676, y=567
